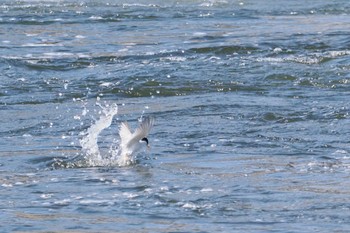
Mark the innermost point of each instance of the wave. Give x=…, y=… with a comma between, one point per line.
x=308, y=59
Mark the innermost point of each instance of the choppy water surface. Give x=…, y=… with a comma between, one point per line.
x=251, y=101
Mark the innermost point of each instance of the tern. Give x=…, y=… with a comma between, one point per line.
x=131, y=143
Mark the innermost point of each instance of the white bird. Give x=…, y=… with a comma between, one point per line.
x=131, y=143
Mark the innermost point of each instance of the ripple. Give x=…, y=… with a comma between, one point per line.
x=223, y=50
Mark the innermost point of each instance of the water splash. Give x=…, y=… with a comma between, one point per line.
x=89, y=142
x=90, y=154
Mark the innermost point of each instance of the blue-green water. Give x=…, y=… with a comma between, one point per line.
x=251, y=101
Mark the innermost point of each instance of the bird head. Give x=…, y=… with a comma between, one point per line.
x=145, y=140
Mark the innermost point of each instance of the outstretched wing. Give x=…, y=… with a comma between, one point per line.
x=124, y=133
x=142, y=131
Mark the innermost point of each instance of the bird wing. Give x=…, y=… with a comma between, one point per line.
x=142, y=131
x=124, y=132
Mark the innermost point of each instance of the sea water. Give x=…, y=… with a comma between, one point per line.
x=251, y=107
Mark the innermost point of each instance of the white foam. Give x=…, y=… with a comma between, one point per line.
x=130, y=195
x=106, y=84
x=41, y=45
x=277, y=50
x=199, y=34
x=80, y=37
x=334, y=54
x=298, y=59
x=63, y=202
x=190, y=206
x=174, y=58
x=314, y=58
x=46, y=195
x=57, y=54
x=96, y=17
x=205, y=190
x=93, y=201
x=340, y=152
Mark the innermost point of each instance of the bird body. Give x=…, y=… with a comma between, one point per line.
x=131, y=143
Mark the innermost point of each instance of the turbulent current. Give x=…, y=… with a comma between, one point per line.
x=251, y=107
